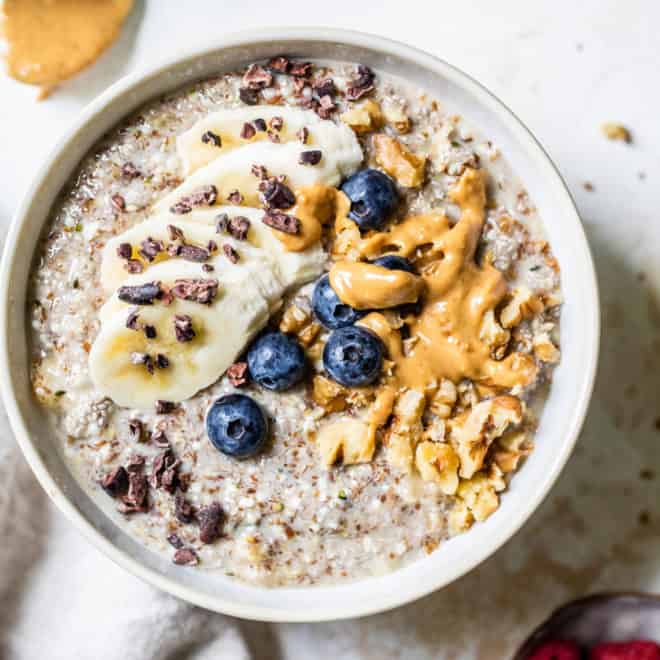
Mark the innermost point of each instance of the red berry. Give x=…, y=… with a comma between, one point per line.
x=637, y=650
x=557, y=650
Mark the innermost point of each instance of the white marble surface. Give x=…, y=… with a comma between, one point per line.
x=564, y=67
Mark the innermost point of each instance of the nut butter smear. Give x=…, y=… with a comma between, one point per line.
x=445, y=339
x=51, y=40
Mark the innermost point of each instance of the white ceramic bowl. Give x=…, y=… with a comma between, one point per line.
x=564, y=412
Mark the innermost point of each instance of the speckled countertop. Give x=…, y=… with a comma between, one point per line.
x=564, y=68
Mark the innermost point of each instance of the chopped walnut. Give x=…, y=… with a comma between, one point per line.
x=435, y=431
x=363, y=117
x=438, y=462
x=442, y=402
x=406, y=429
x=475, y=433
x=544, y=348
x=494, y=335
x=294, y=319
x=398, y=161
x=347, y=239
x=348, y=440
x=480, y=493
x=460, y=518
x=329, y=395
x=509, y=449
x=397, y=118
x=523, y=305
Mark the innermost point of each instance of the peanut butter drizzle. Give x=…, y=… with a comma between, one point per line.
x=444, y=338
x=368, y=286
x=316, y=205
x=51, y=40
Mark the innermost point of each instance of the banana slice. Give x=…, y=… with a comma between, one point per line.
x=199, y=227
x=233, y=171
x=198, y=146
x=221, y=331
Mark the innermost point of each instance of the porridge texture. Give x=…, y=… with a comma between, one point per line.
x=229, y=239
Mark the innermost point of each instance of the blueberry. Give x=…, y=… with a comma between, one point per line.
x=331, y=311
x=394, y=262
x=373, y=198
x=353, y=356
x=236, y=425
x=276, y=361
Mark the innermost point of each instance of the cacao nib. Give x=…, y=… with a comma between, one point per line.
x=202, y=291
x=124, y=251
x=260, y=124
x=149, y=331
x=212, y=138
x=288, y=224
x=276, y=123
x=175, y=541
x=143, y=358
x=118, y=202
x=276, y=195
x=174, y=233
x=134, y=266
x=132, y=320
x=256, y=77
x=115, y=483
x=150, y=249
x=210, y=521
x=165, y=407
x=281, y=64
x=230, y=253
x=361, y=84
x=259, y=171
x=183, y=328
x=183, y=510
x=303, y=134
x=185, y=557
x=248, y=96
x=324, y=87
x=159, y=438
x=326, y=107
x=163, y=471
x=135, y=430
x=135, y=500
x=301, y=69
x=193, y=253
x=311, y=157
x=248, y=131
x=129, y=171
x=140, y=294
x=211, y=246
x=235, y=197
x=238, y=227
x=238, y=374
x=203, y=196
x=207, y=268
x=162, y=361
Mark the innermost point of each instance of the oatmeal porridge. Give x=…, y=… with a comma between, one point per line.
x=295, y=324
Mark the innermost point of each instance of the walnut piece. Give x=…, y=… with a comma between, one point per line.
x=523, y=305
x=544, y=349
x=509, y=449
x=329, y=395
x=614, y=131
x=480, y=493
x=438, y=462
x=364, y=117
x=442, y=402
x=460, y=518
x=485, y=422
x=348, y=440
x=406, y=429
x=397, y=118
x=398, y=161
x=494, y=335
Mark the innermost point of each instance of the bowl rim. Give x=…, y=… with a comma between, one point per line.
x=246, y=38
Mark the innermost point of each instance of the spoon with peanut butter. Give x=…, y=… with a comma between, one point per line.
x=49, y=41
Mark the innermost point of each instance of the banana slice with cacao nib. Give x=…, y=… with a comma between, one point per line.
x=158, y=240
x=147, y=353
x=226, y=130
x=234, y=176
